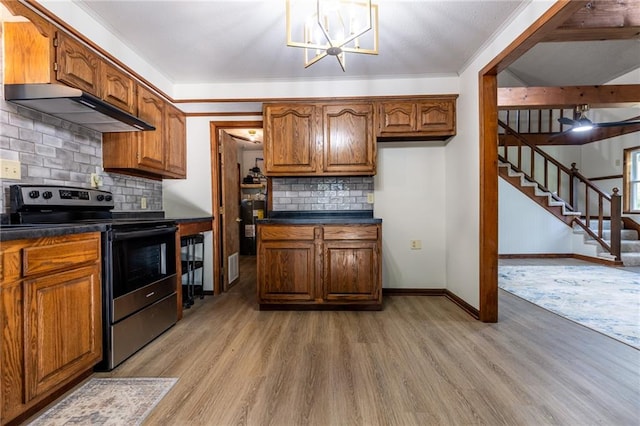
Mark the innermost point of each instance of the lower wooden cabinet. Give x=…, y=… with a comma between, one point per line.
x=328, y=265
x=51, y=317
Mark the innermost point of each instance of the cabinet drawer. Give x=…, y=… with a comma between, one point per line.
x=350, y=232
x=61, y=254
x=286, y=232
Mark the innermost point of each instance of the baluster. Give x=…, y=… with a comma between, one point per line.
x=539, y=121
x=528, y=121
x=586, y=205
x=573, y=187
x=518, y=120
x=600, y=217
x=616, y=224
x=546, y=173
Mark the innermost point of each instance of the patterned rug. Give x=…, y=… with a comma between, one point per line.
x=601, y=298
x=108, y=402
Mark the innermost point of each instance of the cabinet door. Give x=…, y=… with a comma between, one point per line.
x=151, y=143
x=76, y=65
x=63, y=333
x=351, y=271
x=349, y=139
x=175, y=140
x=286, y=271
x=396, y=117
x=118, y=88
x=291, y=139
x=437, y=117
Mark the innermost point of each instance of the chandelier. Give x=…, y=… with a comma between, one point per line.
x=332, y=28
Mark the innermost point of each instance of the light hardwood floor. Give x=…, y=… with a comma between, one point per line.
x=420, y=361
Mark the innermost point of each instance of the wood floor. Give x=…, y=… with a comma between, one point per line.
x=420, y=361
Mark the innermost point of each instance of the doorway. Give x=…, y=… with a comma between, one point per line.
x=229, y=140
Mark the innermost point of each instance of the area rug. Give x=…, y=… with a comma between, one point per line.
x=105, y=401
x=601, y=298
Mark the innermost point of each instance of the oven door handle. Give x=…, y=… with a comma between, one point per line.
x=127, y=235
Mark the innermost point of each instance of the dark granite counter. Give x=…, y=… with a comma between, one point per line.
x=21, y=232
x=321, y=217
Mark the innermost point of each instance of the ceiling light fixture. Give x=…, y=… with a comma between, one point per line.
x=332, y=28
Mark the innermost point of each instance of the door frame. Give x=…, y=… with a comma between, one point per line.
x=214, y=129
x=488, y=104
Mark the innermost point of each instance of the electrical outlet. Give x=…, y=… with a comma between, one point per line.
x=143, y=202
x=416, y=244
x=9, y=169
x=96, y=180
x=370, y=198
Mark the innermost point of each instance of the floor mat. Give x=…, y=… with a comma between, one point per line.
x=602, y=298
x=104, y=401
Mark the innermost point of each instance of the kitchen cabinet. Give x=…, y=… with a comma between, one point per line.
x=31, y=57
x=313, y=265
x=330, y=139
x=430, y=118
x=156, y=153
x=50, y=306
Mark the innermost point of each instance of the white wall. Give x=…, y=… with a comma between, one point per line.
x=410, y=198
x=462, y=165
x=527, y=228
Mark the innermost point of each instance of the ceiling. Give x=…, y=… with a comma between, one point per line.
x=245, y=41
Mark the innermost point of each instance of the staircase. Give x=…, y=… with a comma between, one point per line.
x=561, y=190
x=629, y=243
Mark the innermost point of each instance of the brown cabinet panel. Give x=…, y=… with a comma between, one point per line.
x=59, y=255
x=432, y=118
x=287, y=232
x=28, y=55
x=50, y=317
x=325, y=265
x=151, y=143
x=175, y=139
x=396, y=117
x=349, y=139
x=291, y=133
x=77, y=65
x=63, y=332
x=436, y=117
x=118, y=88
x=287, y=271
x=351, y=271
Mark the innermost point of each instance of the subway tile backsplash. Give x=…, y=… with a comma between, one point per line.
x=55, y=152
x=321, y=193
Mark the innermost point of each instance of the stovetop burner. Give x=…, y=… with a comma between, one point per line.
x=52, y=204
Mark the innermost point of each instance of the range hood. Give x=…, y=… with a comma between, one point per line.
x=75, y=106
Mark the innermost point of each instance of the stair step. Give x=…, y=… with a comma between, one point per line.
x=630, y=259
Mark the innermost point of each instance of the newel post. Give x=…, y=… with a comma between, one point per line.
x=573, y=187
x=616, y=223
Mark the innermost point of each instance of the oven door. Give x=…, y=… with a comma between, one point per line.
x=143, y=268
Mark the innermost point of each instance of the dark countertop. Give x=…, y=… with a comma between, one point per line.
x=21, y=232
x=191, y=219
x=321, y=217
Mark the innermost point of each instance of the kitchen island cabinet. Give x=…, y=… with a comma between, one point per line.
x=319, y=265
x=51, y=316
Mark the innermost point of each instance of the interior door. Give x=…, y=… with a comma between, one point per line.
x=231, y=210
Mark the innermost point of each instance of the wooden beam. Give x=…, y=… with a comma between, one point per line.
x=624, y=95
x=571, y=138
x=593, y=34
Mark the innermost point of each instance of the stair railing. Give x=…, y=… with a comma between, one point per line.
x=571, y=187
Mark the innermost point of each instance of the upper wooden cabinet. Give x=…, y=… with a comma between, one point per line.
x=349, y=141
x=118, y=88
x=32, y=58
x=329, y=139
x=432, y=119
x=156, y=153
x=291, y=139
x=76, y=65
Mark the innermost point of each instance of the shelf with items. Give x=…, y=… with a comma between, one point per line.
x=192, y=261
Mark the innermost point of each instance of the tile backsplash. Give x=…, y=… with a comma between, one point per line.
x=321, y=193
x=55, y=152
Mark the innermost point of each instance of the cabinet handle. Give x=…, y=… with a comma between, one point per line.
x=150, y=294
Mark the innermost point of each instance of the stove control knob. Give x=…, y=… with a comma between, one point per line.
x=108, y=198
x=47, y=194
x=34, y=194
x=100, y=197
